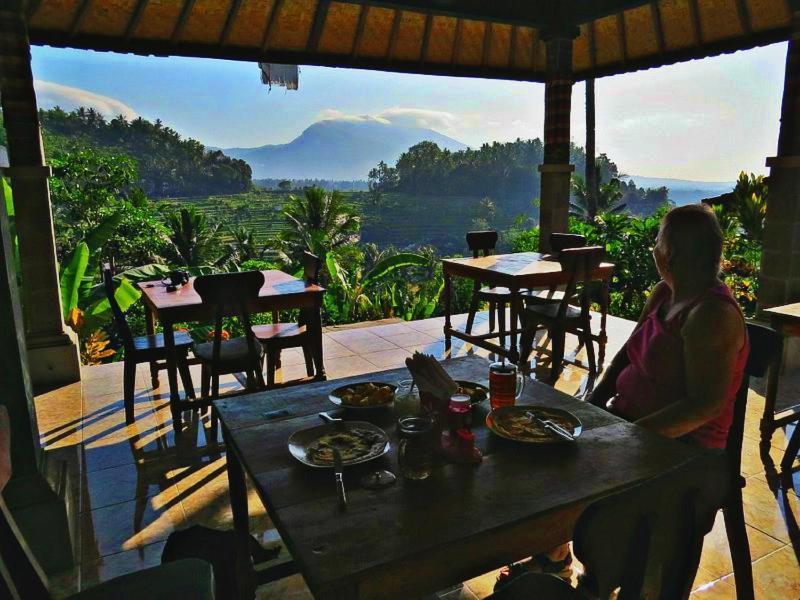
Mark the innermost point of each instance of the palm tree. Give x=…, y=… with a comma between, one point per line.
x=244, y=246
x=195, y=240
x=608, y=199
x=319, y=222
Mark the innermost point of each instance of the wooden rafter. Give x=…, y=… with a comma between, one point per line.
x=80, y=13
x=317, y=26
x=136, y=17
x=31, y=7
x=534, y=48
x=622, y=37
x=592, y=42
x=426, y=38
x=655, y=12
x=744, y=16
x=512, y=50
x=487, y=43
x=180, y=24
x=229, y=20
x=271, y=20
x=362, y=22
x=456, y=42
x=398, y=15
x=694, y=12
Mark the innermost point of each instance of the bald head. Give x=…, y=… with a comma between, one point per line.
x=692, y=239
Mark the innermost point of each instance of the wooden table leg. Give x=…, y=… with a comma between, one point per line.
x=513, y=350
x=604, y=302
x=319, y=364
x=150, y=325
x=448, y=306
x=237, y=487
x=767, y=425
x=172, y=375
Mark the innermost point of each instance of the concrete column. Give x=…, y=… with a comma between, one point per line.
x=52, y=349
x=556, y=169
x=780, y=266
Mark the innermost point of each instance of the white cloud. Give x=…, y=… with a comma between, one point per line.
x=50, y=94
x=438, y=120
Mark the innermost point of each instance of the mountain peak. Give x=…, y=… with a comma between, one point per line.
x=338, y=149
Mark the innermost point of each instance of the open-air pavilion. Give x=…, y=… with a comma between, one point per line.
x=550, y=42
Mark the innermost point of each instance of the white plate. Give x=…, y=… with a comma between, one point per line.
x=299, y=442
x=336, y=395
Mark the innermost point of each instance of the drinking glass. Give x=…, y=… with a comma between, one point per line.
x=505, y=384
x=415, y=450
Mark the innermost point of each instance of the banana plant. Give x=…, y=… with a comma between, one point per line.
x=8, y=200
x=358, y=292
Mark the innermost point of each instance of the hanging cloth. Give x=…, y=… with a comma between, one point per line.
x=283, y=75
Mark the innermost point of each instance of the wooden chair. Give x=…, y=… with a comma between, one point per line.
x=144, y=349
x=562, y=317
x=766, y=346
x=554, y=293
x=646, y=541
x=230, y=295
x=279, y=336
x=21, y=576
x=483, y=243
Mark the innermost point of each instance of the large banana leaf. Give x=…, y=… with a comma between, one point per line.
x=99, y=313
x=336, y=272
x=385, y=267
x=5, y=189
x=103, y=232
x=72, y=275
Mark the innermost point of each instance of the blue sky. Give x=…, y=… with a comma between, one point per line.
x=703, y=120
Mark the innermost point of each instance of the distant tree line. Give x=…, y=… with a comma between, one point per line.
x=167, y=164
x=342, y=185
x=498, y=170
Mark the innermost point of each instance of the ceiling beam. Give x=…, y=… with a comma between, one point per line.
x=180, y=24
x=362, y=22
x=232, y=13
x=655, y=12
x=320, y=15
x=83, y=8
x=398, y=14
x=136, y=17
x=426, y=38
x=540, y=13
x=271, y=19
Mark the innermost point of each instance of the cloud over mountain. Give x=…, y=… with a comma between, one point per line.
x=437, y=120
x=50, y=94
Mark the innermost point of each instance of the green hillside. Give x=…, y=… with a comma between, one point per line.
x=399, y=219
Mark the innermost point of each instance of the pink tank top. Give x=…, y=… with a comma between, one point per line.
x=655, y=376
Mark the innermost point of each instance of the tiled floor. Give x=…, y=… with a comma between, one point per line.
x=141, y=482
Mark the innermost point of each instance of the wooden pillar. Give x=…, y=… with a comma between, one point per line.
x=556, y=169
x=780, y=265
x=52, y=350
x=592, y=183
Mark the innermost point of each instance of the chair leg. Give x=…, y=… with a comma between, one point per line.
x=271, y=368
x=473, y=308
x=259, y=377
x=308, y=355
x=526, y=338
x=501, y=321
x=214, y=385
x=129, y=386
x=205, y=382
x=739, y=546
x=492, y=309
x=791, y=450
x=586, y=339
x=558, y=340
x=186, y=377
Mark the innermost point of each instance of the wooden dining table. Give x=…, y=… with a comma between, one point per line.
x=416, y=537
x=280, y=291
x=518, y=271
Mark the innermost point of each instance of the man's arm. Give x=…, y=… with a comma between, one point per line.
x=607, y=386
x=712, y=336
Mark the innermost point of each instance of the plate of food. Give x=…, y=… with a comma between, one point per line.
x=477, y=392
x=357, y=442
x=533, y=424
x=367, y=394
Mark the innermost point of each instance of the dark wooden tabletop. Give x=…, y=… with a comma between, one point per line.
x=524, y=269
x=184, y=303
x=417, y=537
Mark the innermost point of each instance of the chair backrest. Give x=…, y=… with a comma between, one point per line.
x=231, y=295
x=481, y=242
x=562, y=241
x=766, y=347
x=107, y=273
x=647, y=540
x=311, y=267
x=579, y=264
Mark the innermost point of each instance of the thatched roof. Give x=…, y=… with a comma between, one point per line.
x=495, y=39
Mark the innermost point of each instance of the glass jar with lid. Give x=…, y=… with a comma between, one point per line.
x=415, y=450
x=406, y=399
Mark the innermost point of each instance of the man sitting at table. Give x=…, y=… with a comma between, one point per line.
x=679, y=371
